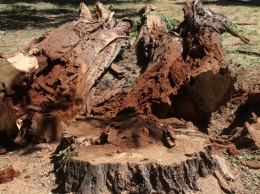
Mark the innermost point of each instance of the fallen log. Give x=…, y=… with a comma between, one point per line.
x=253, y=165
x=57, y=77
x=50, y=80
x=186, y=74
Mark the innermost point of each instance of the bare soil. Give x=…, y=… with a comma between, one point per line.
x=36, y=170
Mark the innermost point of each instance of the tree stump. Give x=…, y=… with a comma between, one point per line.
x=131, y=160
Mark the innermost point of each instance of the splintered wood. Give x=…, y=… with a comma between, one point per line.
x=71, y=72
x=248, y=136
x=50, y=80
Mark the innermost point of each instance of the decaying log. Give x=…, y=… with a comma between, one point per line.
x=186, y=75
x=253, y=165
x=67, y=73
x=222, y=182
x=211, y=80
x=13, y=78
x=204, y=17
x=50, y=80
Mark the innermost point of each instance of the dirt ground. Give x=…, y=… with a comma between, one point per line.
x=34, y=164
x=33, y=161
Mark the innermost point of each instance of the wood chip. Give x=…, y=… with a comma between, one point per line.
x=253, y=165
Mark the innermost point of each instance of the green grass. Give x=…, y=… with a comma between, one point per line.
x=137, y=21
x=6, y=165
x=249, y=177
x=170, y=22
x=136, y=28
x=61, y=153
x=245, y=156
x=245, y=58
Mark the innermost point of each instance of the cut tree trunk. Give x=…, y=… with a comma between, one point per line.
x=132, y=160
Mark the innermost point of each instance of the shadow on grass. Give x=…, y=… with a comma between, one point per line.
x=248, y=53
x=23, y=17
x=251, y=3
x=121, y=12
x=57, y=2
x=73, y=2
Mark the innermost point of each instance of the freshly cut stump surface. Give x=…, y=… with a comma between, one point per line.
x=116, y=167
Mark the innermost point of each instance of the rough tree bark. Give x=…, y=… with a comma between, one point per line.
x=187, y=75
x=57, y=71
x=133, y=158
x=133, y=155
